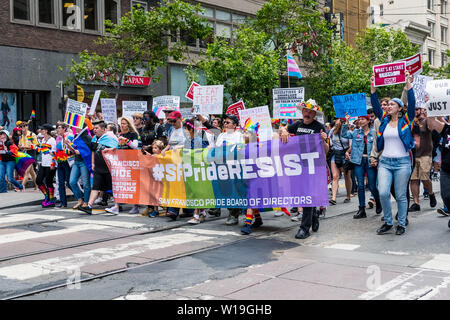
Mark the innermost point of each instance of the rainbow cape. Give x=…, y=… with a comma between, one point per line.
x=23, y=160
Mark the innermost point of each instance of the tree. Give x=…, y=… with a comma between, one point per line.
x=348, y=69
x=139, y=41
x=255, y=60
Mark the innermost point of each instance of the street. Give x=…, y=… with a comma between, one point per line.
x=64, y=254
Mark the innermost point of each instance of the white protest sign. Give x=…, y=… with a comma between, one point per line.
x=259, y=115
x=131, y=107
x=164, y=102
x=109, y=110
x=419, y=85
x=285, y=102
x=439, y=98
x=186, y=113
x=75, y=113
x=208, y=100
x=94, y=101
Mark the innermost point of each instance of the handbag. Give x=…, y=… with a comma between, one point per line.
x=339, y=155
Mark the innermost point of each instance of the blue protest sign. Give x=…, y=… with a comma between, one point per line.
x=353, y=104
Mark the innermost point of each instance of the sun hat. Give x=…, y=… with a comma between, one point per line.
x=311, y=104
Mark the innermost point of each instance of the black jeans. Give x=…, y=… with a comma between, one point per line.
x=445, y=187
x=45, y=173
x=309, y=214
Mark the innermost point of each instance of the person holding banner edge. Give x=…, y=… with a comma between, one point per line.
x=395, y=139
x=307, y=125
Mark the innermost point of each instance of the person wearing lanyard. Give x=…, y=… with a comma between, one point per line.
x=362, y=142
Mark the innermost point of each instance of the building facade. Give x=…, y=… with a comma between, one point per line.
x=426, y=23
x=39, y=36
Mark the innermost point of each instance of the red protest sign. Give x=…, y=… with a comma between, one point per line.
x=190, y=92
x=389, y=74
x=235, y=107
x=414, y=64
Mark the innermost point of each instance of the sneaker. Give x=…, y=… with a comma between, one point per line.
x=85, y=209
x=297, y=218
x=171, y=215
x=384, y=228
x=347, y=200
x=302, y=234
x=134, y=210
x=231, y=221
x=444, y=211
x=400, y=230
x=279, y=213
x=194, y=220
x=98, y=201
x=113, y=209
x=257, y=223
x=433, y=201
x=246, y=229
x=415, y=207
x=153, y=214
x=49, y=204
x=426, y=195
x=371, y=203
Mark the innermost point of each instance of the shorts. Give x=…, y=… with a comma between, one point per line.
x=422, y=169
x=102, y=182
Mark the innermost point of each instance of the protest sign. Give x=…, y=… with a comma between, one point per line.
x=190, y=92
x=261, y=116
x=414, y=64
x=285, y=102
x=262, y=175
x=109, y=110
x=163, y=102
x=131, y=107
x=75, y=113
x=439, y=98
x=389, y=74
x=353, y=104
x=208, y=100
x=419, y=84
x=235, y=107
x=186, y=113
x=94, y=102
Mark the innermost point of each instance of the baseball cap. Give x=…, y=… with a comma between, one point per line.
x=174, y=115
x=18, y=123
x=232, y=118
x=5, y=132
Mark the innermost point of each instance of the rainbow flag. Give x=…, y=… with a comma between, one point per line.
x=33, y=114
x=23, y=160
x=293, y=69
x=74, y=120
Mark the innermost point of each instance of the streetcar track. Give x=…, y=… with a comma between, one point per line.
x=165, y=259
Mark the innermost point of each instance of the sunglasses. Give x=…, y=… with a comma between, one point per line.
x=172, y=120
x=227, y=122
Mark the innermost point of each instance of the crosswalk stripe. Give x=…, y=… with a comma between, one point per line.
x=118, y=224
x=29, y=235
x=25, y=217
x=72, y=262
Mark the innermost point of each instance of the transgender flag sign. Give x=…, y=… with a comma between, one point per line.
x=293, y=69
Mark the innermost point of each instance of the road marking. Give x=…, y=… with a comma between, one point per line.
x=25, y=217
x=29, y=235
x=118, y=224
x=440, y=262
x=209, y=232
x=434, y=291
x=344, y=246
x=76, y=261
x=396, y=253
x=369, y=295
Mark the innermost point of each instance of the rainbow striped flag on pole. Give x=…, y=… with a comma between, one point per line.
x=293, y=69
x=74, y=120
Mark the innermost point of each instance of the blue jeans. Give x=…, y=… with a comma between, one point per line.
x=63, y=171
x=360, y=170
x=79, y=169
x=395, y=171
x=7, y=168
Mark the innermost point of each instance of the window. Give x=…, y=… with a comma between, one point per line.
x=431, y=56
x=223, y=15
x=46, y=12
x=443, y=59
x=90, y=15
x=444, y=34
x=70, y=14
x=431, y=25
x=111, y=11
x=22, y=10
x=381, y=10
x=443, y=7
x=430, y=4
x=139, y=4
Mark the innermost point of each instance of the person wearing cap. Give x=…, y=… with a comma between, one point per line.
x=231, y=136
x=395, y=139
x=47, y=167
x=8, y=163
x=307, y=125
x=362, y=141
x=177, y=137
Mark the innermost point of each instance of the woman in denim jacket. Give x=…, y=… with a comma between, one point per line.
x=362, y=142
x=395, y=139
